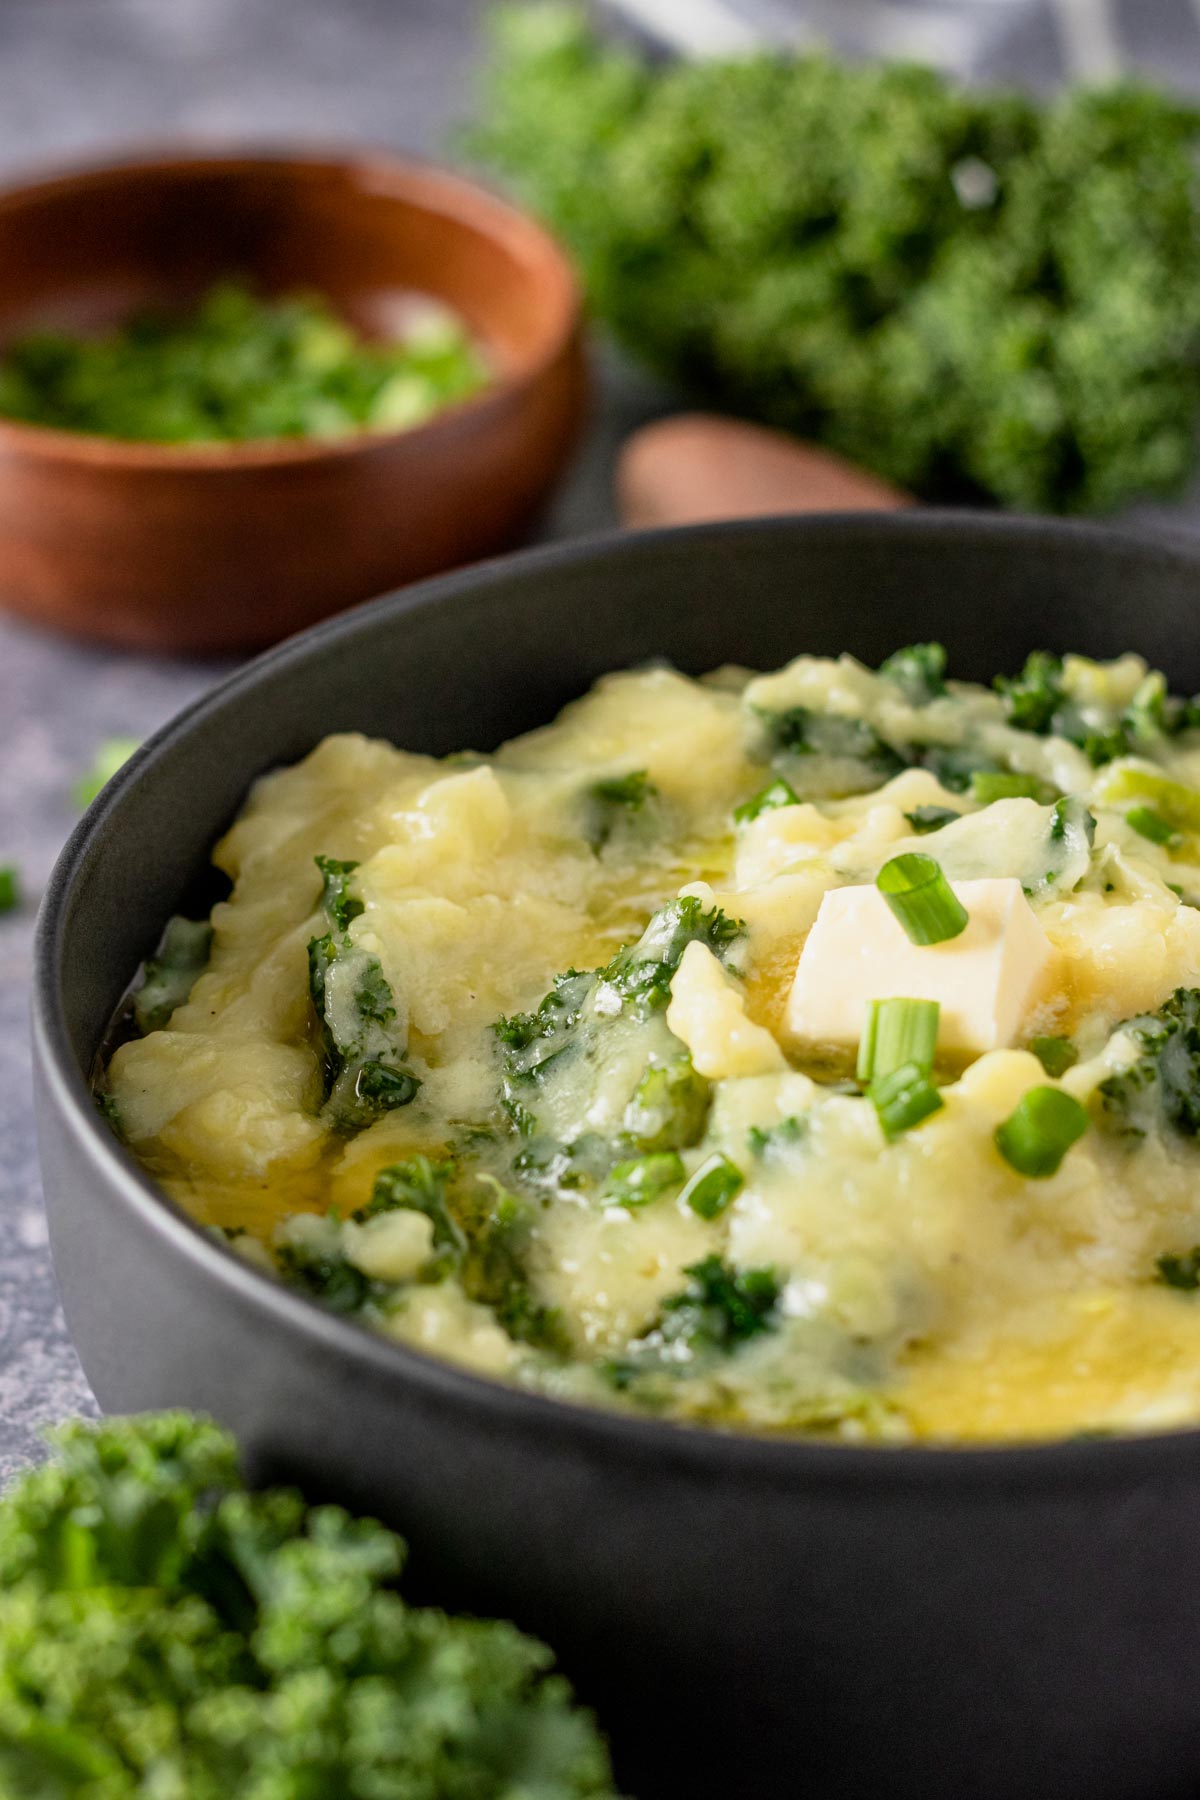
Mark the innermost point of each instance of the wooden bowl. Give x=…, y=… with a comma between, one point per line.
x=230, y=547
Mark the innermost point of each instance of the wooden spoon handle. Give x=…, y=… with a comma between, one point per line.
x=698, y=466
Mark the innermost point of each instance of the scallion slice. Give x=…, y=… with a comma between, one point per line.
x=897, y=1032
x=1174, y=801
x=10, y=889
x=903, y=1098
x=713, y=1186
x=996, y=784
x=1040, y=1130
x=642, y=1179
x=1150, y=824
x=921, y=898
x=779, y=793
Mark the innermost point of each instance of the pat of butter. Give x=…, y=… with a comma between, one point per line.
x=987, y=980
x=709, y=1014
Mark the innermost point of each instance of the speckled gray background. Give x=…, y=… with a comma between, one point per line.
x=75, y=74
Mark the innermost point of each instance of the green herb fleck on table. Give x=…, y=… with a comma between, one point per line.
x=967, y=291
x=111, y=755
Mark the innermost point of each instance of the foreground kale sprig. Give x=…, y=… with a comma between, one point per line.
x=165, y=1632
x=969, y=292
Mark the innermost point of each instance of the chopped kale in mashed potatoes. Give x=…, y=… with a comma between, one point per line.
x=816, y=1052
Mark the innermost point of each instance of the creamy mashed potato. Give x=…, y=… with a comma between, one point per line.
x=494, y=1053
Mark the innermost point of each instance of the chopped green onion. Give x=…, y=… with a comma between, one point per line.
x=921, y=898
x=1040, y=1130
x=767, y=800
x=903, y=1098
x=763, y=1139
x=1056, y=1054
x=897, y=1032
x=10, y=889
x=111, y=755
x=924, y=819
x=643, y=1178
x=1150, y=824
x=1181, y=1272
x=1174, y=801
x=713, y=1186
x=988, y=785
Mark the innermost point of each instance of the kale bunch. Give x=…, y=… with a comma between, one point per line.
x=166, y=1633
x=972, y=293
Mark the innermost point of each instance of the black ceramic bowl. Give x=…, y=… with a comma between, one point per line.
x=775, y=1618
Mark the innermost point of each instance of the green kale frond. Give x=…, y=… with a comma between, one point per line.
x=1163, y=1084
x=969, y=292
x=163, y=1631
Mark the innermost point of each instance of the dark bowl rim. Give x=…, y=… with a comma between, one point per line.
x=776, y=1461
x=460, y=196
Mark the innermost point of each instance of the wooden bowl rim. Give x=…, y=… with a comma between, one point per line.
x=401, y=175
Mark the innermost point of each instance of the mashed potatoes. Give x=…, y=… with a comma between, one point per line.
x=493, y=1053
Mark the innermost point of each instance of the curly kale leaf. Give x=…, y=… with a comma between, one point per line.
x=1181, y=1272
x=171, y=973
x=925, y=819
x=420, y=1185
x=777, y=1141
x=798, y=731
x=588, y=1016
x=610, y=804
x=1068, y=848
x=641, y=974
x=1038, y=700
x=668, y=1109
x=1032, y=698
x=362, y=1042
x=324, y=1273
x=970, y=292
x=1162, y=1088
x=480, y=1236
x=164, y=1631
x=532, y=1040
x=720, y=1309
x=826, y=755
x=339, y=903
x=918, y=671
